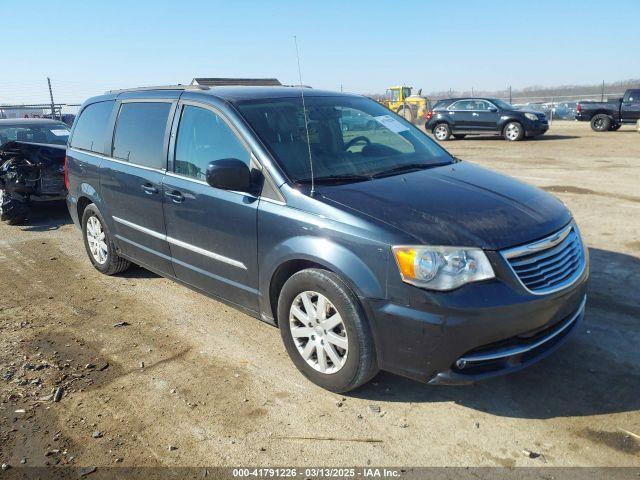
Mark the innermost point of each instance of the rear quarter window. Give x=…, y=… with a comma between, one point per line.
x=140, y=132
x=91, y=128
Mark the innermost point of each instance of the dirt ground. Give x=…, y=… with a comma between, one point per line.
x=189, y=381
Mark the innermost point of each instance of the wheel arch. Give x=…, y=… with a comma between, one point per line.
x=310, y=252
x=86, y=196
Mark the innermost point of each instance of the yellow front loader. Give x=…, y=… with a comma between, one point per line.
x=400, y=99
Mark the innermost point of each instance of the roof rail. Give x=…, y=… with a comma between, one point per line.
x=160, y=87
x=219, y=82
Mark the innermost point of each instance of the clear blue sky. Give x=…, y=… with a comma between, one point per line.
x=87, y=47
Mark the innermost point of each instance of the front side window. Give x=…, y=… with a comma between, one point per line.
x=139, y=134
x=91, y=128
x=203, y=137
x=351, y=138
x=462, y=105
x=632, y=96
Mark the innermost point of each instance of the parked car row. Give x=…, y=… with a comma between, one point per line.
x=366, y=243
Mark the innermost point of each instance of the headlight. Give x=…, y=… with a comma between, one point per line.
x=531, y=116
x=441, y=268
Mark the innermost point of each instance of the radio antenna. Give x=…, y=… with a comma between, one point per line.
x=304, y=111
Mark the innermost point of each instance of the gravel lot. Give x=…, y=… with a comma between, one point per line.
x=189, y=381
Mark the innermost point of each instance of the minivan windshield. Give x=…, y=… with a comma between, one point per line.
x=350, y=138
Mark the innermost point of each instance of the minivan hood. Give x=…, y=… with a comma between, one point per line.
x=460, y=204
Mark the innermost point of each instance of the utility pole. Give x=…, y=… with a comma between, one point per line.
x=53, y=113
x=602, y=94
x=510, y=98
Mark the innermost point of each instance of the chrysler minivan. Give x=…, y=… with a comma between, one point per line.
x=370, y=248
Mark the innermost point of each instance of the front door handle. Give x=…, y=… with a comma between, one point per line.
x=475, y=114
x=148, y=188
x=175, y=196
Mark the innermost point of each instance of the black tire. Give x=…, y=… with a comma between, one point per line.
x=615, y=127
x=442, y=132
x=459, y=136
x=601, y=123
x=113, y=263
x=360, y=364
x=513, y=132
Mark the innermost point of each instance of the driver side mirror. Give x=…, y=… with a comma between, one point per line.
x=493, y=109
x=229, y=174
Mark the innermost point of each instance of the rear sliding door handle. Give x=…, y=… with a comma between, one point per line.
x=148, y=188
x=175, y=196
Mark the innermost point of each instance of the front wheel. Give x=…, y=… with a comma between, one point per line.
x=615, y=127
x=99, y=244
x=442, y=132
x=325, y=332
x=601, y=123
x=513, y=132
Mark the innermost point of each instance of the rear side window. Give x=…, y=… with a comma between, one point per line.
x=91, y=127
x=202, y=138
x=139, y=134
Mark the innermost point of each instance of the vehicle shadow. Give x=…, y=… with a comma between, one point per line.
x=552, y=136
x=136, y=271
x=47, y=216
x=595, y=372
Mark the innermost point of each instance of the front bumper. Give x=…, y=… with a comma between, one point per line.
x=426, y=339
x=534, y=128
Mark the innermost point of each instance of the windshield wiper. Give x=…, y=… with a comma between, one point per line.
x=329, y=179
x=410, y=167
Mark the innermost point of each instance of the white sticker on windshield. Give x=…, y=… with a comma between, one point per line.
x=60, y=133
x=391, y=123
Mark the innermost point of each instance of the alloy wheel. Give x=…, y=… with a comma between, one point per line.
x=440, y=132
x=96, y=240
x=599, y=123
x=513, y=131
x=318, y=332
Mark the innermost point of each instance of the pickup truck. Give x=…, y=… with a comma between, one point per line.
x=610, y=115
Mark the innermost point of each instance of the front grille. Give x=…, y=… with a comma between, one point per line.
x=549, y=264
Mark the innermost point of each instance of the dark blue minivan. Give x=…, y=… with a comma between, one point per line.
x=370, y=248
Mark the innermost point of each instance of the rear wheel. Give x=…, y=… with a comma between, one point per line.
x=459, y=136
x=325, y=332
x=99, y=244
x=513, y=132
x=601, y=123
x=442, y=132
